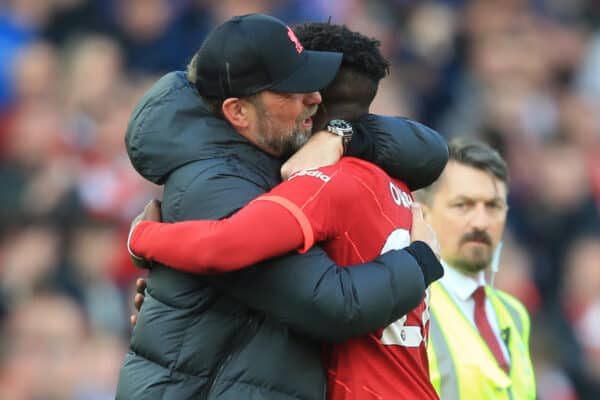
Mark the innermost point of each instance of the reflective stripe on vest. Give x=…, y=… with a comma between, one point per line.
x=443, y=360
x=515, y=315
x=508, y=309
x=462, y=362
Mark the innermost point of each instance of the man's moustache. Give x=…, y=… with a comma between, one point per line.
x=479, y=236
x=309, y=113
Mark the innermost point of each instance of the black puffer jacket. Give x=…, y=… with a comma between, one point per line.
x=252, y=334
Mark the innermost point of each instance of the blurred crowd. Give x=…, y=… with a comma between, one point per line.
x=522, y=75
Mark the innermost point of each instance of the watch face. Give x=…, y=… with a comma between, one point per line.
x=339, y=124
x=342, y=129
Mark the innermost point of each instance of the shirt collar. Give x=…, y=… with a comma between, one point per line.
x=462, y=285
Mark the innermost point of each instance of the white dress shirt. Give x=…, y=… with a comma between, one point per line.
x=461, y=288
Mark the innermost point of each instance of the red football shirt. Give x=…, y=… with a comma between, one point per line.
x=356, y=212
x=360, y=212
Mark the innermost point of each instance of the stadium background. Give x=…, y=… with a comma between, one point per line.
x=523, y=75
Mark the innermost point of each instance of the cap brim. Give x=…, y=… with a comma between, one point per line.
x=317, y=71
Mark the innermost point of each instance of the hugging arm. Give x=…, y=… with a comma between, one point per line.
x=405, y=149
x=313, y=295
x=259, y=231
x=271, y=225
x=310, y=292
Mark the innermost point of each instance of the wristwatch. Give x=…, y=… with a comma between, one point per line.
x=343, y=129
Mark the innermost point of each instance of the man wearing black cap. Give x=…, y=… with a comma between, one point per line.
x=250, y=59
x=234, y=337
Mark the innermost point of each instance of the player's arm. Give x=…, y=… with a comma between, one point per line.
x=405, y=149
x=310, y=292
x=271, y=225
x=315, y=296
x=261, y=230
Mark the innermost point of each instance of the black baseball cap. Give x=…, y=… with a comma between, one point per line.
x=255, y=52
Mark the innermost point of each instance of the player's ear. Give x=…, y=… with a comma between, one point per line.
x=236, y=112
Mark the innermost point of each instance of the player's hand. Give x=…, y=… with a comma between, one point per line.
x=323, y=148
x=422, y=231
x=151, y=213
x=138, y=299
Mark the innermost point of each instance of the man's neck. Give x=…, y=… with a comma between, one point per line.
x=476, y=276
x=459, y=283
x=341, y=110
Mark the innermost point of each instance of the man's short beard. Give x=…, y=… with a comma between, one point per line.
x=476, y=259
x=294, y=143
x=470, y=265
x=281, y=143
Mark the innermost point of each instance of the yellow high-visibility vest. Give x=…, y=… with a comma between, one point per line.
x=460, y=363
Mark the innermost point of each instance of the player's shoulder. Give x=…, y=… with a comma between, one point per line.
x=355, y=167
x=357, y=163
x=326, y=173
x=336, y=180
x=351, y=173
x=368, y=173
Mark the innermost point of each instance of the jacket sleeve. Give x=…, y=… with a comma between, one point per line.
x=309, y=292
x=315, y=296
x=405, y=149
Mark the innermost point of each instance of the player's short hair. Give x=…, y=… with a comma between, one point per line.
x=474, y=153
x=359, y=51
x=363, y=65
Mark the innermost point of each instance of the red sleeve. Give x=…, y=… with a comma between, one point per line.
x=293, y=216
x=261, y=230
x=316, y=198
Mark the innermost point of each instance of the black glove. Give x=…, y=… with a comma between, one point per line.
x=430, y=265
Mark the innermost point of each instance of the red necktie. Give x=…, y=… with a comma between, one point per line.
x=485, y=329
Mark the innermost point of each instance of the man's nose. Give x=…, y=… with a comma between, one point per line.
x=480, y=219
x=312, y=98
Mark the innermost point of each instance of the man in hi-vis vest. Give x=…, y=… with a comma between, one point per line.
x=478, y=344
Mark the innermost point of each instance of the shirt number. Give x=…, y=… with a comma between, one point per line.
x=398, y=333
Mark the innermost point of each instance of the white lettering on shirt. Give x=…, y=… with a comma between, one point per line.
x=400, y=197
x=311, y=172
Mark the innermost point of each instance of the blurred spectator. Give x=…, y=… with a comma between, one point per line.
x=30, y=258
x=42, y=341
x=106, y=184
x=20, y=22
x=154, y=38
x=581, y=300
x=71, y=18
x=49, y=353
x=92, y=253
x=38, y=175
x=36, y=74
x=93, y=73
x=588, y=81
x=548, y=347
x=560, y=206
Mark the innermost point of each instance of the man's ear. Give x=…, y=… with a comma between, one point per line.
x=425, y=209
x=236, y=112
